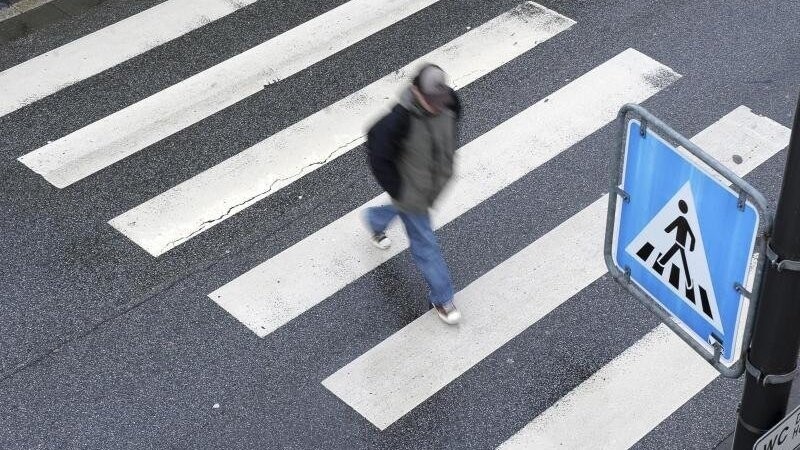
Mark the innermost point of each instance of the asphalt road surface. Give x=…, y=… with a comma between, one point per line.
x=184, y=264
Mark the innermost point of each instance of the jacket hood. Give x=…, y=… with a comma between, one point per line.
x=409, y=102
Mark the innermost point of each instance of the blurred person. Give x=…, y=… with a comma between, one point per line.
x=410, y=152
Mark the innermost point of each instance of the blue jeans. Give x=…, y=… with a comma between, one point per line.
x=424, y=248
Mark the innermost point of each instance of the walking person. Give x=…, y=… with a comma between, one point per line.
x=683, y=231
x=411, y=155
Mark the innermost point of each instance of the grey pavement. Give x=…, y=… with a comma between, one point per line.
x=21, y=17
x=103, y=346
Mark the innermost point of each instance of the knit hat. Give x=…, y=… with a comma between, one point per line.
x=432, y=84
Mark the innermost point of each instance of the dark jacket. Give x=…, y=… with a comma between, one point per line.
x=411, y=152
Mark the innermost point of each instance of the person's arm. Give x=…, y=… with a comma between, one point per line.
x=671, y=226
x=385, y=140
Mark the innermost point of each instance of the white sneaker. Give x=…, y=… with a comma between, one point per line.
x=381, y=241
x=448, y=313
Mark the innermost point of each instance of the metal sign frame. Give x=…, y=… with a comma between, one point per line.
x=747, y=193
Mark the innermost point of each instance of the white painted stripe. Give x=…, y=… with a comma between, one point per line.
x=125, y=132
x=91, y=54
x=401, y=372
x=305, y=274
x=624, y=400
x=207, y=199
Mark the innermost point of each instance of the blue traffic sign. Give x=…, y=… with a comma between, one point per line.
x=686, y=240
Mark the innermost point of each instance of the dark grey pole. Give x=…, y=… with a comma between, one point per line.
x=776, y=337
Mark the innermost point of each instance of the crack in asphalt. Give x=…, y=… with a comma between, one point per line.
x=116, y=313
x=211, y=222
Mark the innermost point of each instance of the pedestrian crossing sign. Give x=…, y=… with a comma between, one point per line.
x=684, y=240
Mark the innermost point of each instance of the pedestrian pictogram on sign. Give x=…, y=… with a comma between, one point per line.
x=671, y=247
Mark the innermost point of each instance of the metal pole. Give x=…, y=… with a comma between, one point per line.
x=772, y=360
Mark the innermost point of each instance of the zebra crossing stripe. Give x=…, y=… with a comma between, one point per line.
x=220, y=192
x=620, y=403
x=285, y=286
x=398, y=374
x=64, y=66
x=119, y=135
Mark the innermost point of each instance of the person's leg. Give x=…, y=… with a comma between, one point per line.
x=662, y=261
x=688, y=276
x=428, y=257
x=379, y=217
x=377, y=220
